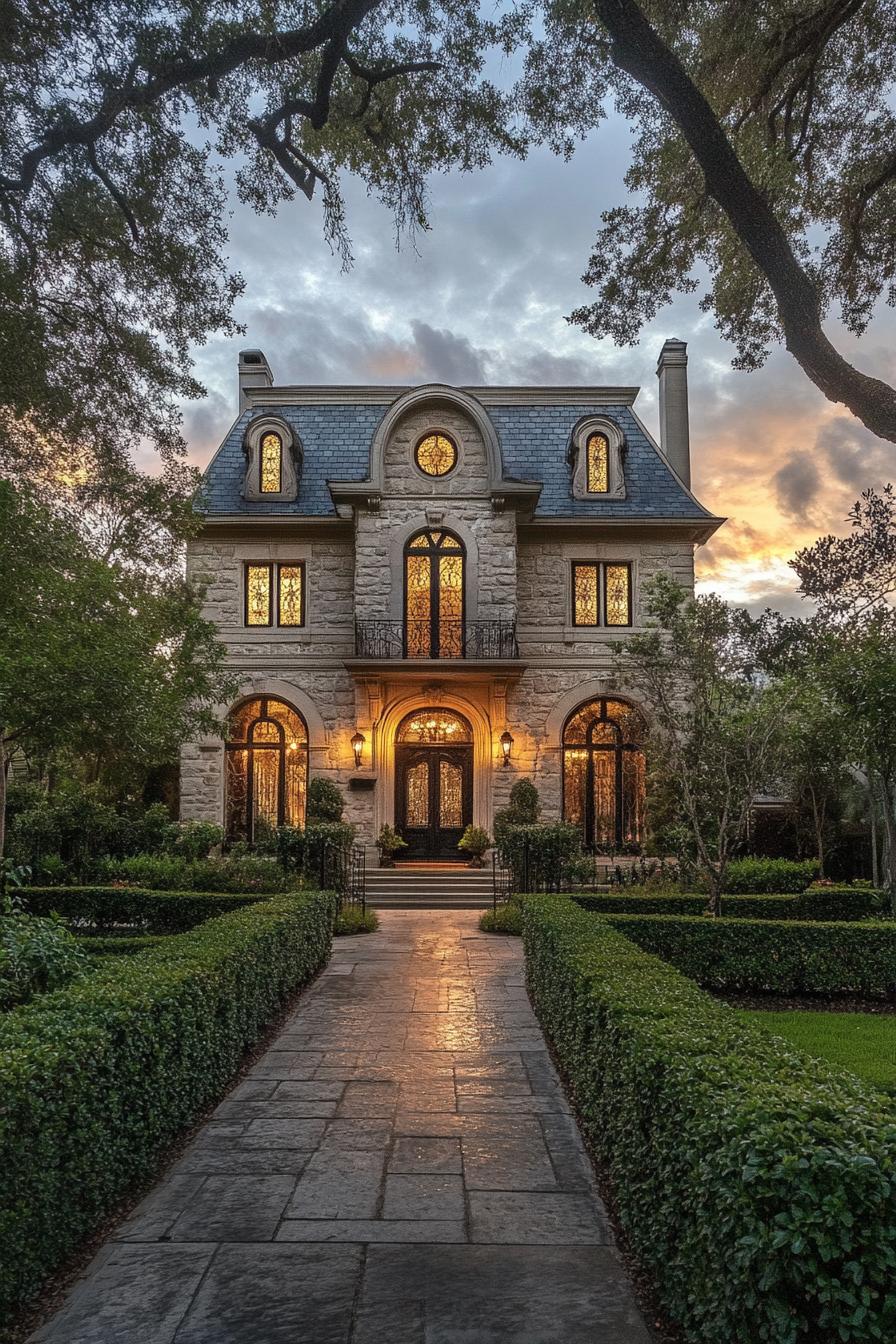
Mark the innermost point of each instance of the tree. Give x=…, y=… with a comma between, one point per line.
x=116, y=118
x=98, y=656
x=854, y=577
x=765, y=155
x=814, y=750
x=712, y=732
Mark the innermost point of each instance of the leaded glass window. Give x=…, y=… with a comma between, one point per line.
x=434, y=595
x=603, y=773
x=258, y=594
x=270, y=464
x=417, y=786
x=451, y=794
x=275, y=594
x=434, y=726
x=597, y=464
x=267, y=768
x=585, y=600
x=290, y=594
x=617, y=594
x=436, y=455
x=602, y=594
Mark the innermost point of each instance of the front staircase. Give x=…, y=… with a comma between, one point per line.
x=437, y=886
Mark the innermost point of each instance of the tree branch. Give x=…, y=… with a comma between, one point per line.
x=113, y=191
x=638, y=50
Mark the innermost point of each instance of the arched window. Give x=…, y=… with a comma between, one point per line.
x=267, y=767
x=270, y=464
x=598, y=464
x=603, y=773
x=434, y=565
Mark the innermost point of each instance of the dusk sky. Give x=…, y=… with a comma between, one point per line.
x=484, y=300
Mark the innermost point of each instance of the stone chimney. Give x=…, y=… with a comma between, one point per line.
x=675, y=439
x=254, y=371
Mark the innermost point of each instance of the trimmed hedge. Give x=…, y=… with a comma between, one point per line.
x=766, y=956
x=97, y=1079
x=828, y=903
x=156, y=911
x=121, y=946
x=757, y=1185
x=752, y=876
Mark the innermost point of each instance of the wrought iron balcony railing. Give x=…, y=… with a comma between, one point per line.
x=442, y=639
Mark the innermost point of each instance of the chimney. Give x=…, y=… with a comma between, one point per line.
x=675, y=441
x=254, y=371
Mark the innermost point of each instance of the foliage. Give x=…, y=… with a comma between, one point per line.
x=753, y=875
x=325, y=801
x=99, y=1078
x=506, y=918
x=389, y=841
x=106, y=908
x=169, y=872
x=474, y=841
x=722, y=1144
x=719, y=738
x=119, y=946
x=833, y=903
x=193, y=839
x=542, y=856
x=771, y=956
x=321, y=840
x=352, y=919
x=860, y=1042
x=290, y=841
x=35, y=955
x=523, y=809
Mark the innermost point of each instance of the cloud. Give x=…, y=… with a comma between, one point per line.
x=797, y=484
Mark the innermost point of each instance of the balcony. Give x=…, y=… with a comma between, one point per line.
x=436, y=641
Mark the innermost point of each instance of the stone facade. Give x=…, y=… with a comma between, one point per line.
x=518, y=569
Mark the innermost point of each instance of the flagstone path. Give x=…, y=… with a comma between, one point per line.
x=400, y=1167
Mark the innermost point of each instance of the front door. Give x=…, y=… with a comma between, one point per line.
x=434, y=799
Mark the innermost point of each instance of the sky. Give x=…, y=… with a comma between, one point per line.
x=483, y=297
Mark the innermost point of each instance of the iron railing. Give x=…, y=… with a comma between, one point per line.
x=502, y=882
x=343, y=869
x=442, y=639
x=525, y=869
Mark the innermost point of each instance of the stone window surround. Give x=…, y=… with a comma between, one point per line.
x=454, y=436
x=439, y=519
x=284, y=553
x=290, y=461
x=598, y=424
x=599, y=553
x=274, y=567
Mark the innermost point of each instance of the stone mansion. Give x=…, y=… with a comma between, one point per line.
x=420, y=590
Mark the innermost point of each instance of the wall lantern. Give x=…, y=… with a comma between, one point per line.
x=506, y=744
x=358, y=740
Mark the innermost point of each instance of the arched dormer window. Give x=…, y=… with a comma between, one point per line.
x=273, y=460
x=597, y=457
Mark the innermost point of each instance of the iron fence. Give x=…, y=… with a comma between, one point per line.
x=343, y=869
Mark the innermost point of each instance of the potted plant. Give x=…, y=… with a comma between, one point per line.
x=389, y=842
x=474, y=841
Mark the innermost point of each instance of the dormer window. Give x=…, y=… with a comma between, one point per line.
x=597, y=457
x=270, y=468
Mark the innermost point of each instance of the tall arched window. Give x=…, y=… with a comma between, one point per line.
x=267, y=767
x=603, y=773
x=434, y=565
x=270, y=464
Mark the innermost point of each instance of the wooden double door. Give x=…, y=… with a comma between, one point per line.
x=433, y=799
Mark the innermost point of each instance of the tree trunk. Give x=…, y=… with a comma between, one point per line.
x=3, y=768
x=872, y=812
x=714, y=904
x=890, y=829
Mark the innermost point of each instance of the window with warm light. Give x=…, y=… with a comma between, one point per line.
x=597, y=464
x=602, y=594
x=270, y=464
x=436, y=455
x=267, y=768
x=275, y=594
x=604, y=773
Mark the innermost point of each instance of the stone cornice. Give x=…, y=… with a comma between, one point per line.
x=366, y=395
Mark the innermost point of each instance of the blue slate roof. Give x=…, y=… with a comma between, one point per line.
x=534, y=442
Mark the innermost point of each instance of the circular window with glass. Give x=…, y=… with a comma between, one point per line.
x=436, y=455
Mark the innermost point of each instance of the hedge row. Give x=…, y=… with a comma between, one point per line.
x=836, y=903
x=120, y=946
x=766, y=956
x=155, y=911
x=757, y=1185
x=98, y=1078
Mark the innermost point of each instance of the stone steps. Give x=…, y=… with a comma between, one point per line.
x=437, y=887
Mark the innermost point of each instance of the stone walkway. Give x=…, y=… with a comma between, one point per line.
x=399, y=1168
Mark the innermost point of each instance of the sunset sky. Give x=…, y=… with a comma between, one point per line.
x=484, y=299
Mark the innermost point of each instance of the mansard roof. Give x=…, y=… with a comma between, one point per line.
x=533, y=427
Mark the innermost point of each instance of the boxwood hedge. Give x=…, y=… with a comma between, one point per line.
x=157, y=911
x=836, y=903
x=96, y=1079
x=759, y=956
x=757, y=1185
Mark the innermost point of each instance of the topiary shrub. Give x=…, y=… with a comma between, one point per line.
x=522, y=810
x=849, y=903
x=325, y=801
x=542, y=856
x=104, y=909
x=322, y=840
x=755, y=876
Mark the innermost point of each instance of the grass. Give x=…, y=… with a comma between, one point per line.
x=352, y=920
x=864, y=1043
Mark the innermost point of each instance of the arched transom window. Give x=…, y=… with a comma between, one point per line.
x=603, y=773
x=435, y=725
x=434, y=595
x=267, y=768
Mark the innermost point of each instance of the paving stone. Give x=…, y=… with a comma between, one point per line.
x=537, y=1219
x=276, y=1108
x=230, y=1161
x=423, y=1197
x=339, y=1185
x=155, y=1215
x=372, y=1230
x=235, y=1208
x=518, y=1163
x=426, y=1156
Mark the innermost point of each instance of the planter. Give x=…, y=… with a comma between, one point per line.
x=387, y=861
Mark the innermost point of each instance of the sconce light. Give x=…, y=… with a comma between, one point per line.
x=358, y=740
x=506, y=744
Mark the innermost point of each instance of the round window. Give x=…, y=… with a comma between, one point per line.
x=436, y=455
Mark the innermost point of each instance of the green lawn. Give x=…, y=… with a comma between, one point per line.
x=865, y=1043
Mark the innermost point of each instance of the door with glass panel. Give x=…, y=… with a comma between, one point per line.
x=434, y=596
x=433, y=783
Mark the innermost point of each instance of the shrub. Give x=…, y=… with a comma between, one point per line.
x=523, y=809
x=120, y=946
x=846, y=904
x=506, y=918
x=325, y=801
x=540, y=856
x=767, y=956
x=290, y=848
x=36, y=955
x=352, y=919
x=474, y=841
x=754, y=1183
x=320, y=838
x=170, y=872
x=104, y=908
x=97, y=1079
x=754, y=876
x=193, y=839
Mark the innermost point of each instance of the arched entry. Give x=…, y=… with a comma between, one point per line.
x=434, y=595
x=603, y=773
x=267, y=767
x=433, y=782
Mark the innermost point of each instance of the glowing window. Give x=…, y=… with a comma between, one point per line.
x=597, y=454
x=617, y=594
x=436, y=455
x=275, y=594
x=585, y=600
x=434, y=725
x=267, y=769
x=602, y=594
x=270, y=465
x=290, y=594
x=604, y=775
x=258, y=594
